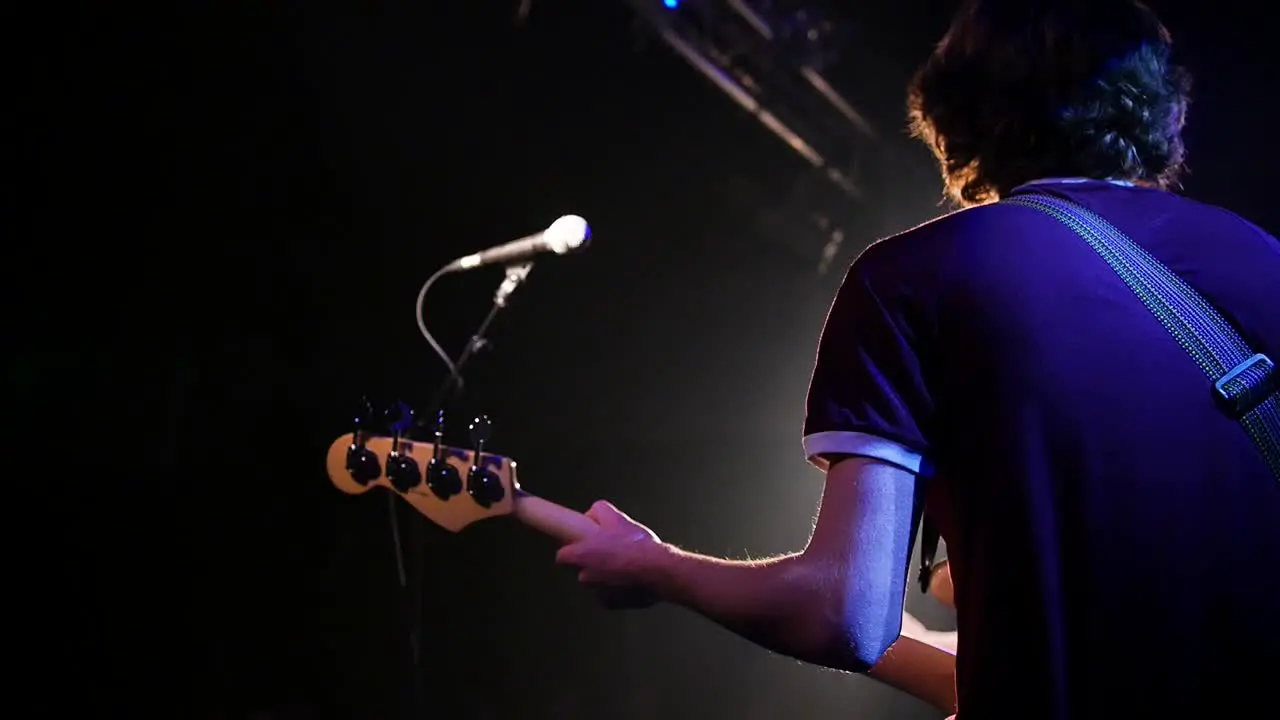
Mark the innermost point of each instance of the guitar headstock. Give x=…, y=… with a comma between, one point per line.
x=446, y=484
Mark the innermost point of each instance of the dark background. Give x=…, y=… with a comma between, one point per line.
x=222, y=217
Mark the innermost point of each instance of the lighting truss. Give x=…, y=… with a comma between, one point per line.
x=768, y=56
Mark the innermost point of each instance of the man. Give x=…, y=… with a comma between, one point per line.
x=1110, y=532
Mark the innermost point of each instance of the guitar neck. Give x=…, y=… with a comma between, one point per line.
x=551, y=519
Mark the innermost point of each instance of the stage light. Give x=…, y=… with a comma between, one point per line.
x=671, y=4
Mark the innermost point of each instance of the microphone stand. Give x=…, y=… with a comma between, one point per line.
x=411, y=583
x=515, y=275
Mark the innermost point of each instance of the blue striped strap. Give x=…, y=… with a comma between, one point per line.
x=1245, y=384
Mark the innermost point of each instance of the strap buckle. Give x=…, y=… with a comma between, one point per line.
x=1246, y=385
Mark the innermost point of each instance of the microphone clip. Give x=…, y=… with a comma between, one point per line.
x=515, y=275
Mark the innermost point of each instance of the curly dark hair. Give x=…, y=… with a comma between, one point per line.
x=1025, y=89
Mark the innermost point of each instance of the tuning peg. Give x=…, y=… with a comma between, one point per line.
x=483, y=485
x=361, y=462
x=402, y=470
x=442, y=478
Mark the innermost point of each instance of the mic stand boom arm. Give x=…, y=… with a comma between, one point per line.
x=515, y=275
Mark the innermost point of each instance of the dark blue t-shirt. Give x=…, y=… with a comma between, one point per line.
x=1114, y=538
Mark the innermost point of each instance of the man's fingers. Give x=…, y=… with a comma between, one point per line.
x=603, y=511
x=569, y=554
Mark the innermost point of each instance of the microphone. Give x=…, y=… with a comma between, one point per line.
x=565, y=234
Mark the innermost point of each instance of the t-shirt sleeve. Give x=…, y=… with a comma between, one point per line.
x=867, y=395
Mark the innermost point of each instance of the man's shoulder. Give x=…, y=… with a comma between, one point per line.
x=940, y=234
x=944, y=243
x=1218, y=216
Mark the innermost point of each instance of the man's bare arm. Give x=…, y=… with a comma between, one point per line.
x=920, y=669
x=913, y=628
x=782, y=603
x=778, y=604
x=839, y=602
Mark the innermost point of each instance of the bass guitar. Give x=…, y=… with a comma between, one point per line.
x=453, y=487
x=456, y=487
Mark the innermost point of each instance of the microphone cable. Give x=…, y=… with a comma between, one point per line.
x=426, y=333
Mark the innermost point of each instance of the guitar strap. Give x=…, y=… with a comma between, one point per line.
x=1244, y=384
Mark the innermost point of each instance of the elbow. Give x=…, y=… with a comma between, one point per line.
x=838, y=626
x=849, y=638
x=867, y=654
x=870, y=653
x=859, y=631
x=851, y=649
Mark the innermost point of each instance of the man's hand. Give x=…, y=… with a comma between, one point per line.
x=940, y=586
x=615, y=560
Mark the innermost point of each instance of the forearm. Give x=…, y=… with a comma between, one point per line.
x=782, y=604
x=921, y=669
x=914, y=629
x=922, y=664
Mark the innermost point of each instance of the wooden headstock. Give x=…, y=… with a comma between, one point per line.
x=372, y=456
x=453, y=512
